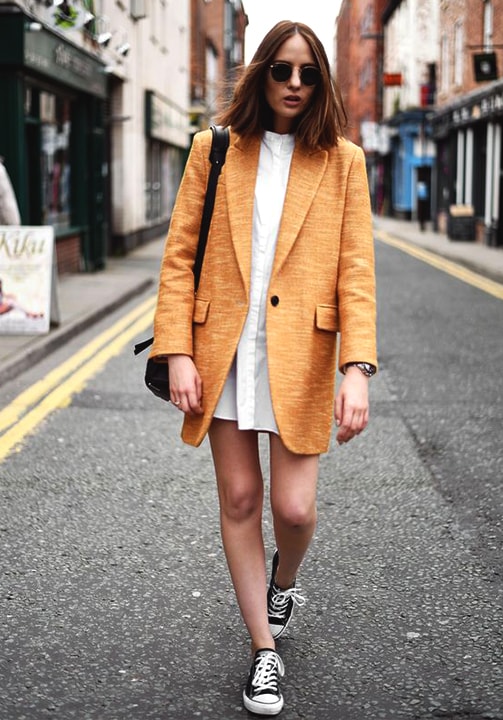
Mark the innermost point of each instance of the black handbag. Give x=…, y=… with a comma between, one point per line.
x=156, y=373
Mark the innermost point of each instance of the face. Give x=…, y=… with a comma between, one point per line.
x=289, y=99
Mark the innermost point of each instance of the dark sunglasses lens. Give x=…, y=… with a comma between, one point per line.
x=280, y=72
x=310, y=76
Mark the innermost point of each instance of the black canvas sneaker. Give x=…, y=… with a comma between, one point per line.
x=262, y=695
x=280, y=603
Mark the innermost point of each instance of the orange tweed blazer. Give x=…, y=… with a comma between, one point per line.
x=322, y=283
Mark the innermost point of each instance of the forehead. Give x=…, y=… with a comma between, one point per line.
x=295, y=50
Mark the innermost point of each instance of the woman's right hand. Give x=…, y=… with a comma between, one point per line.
x=185, y=385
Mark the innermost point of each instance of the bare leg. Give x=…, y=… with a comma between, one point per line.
x=293, y=502
x=241, y=494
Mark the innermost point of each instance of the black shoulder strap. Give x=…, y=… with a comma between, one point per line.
x=219, y=145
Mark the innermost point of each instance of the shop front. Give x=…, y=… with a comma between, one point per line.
x=470, y=161
x=406, y=170
x=52, y=135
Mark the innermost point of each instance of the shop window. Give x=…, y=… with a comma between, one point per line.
x=55, y=160
x=164, y=171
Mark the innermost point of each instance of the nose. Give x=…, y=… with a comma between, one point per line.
x=294, y=80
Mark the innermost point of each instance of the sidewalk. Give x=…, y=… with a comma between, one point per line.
x=485, y=260
x=83, y=299
x=87, y=297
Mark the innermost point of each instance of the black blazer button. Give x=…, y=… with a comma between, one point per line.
x=275, y=300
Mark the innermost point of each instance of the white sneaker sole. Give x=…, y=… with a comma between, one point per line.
x=262, y=709
x=278, y=630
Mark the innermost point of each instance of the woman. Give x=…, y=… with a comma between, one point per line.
x=288, y=265
x=9, y=211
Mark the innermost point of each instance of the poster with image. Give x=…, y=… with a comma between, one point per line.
x=25, y=279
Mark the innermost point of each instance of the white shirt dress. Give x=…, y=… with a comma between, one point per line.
x=246, y=397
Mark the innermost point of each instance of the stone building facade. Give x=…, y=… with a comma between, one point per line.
x=96, y=123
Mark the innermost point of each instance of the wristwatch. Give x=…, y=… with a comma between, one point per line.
x=366, y=368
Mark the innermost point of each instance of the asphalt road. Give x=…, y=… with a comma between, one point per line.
x=115, y=602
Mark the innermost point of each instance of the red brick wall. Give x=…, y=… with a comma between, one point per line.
x=470, y=15
x=358, y=66
x=68, y=255
x=207, y=29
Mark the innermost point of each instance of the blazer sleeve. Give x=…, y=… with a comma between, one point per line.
x=175, y=298
x=356, y=292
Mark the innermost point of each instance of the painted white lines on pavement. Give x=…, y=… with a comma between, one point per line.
x=56, y=389
x=447, y=266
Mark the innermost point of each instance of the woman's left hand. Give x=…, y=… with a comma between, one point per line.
x=352, y=405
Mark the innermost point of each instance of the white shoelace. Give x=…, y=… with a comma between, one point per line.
x=280, y=600
x=265, y=674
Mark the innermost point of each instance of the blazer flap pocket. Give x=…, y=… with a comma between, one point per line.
x=327, y=318
x=201, y=308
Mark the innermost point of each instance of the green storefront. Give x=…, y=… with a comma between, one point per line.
x=52, y=136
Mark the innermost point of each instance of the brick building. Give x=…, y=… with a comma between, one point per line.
x=468, y=121
x=410, y=30
x=359, y=46
x=468, y=28
x=358, y=66
x=217, y=49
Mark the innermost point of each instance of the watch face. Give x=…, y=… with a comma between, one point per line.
x=367, y=369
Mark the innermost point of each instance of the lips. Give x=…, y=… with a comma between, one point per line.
x=292, y=99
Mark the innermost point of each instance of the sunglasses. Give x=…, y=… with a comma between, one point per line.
x=281, y=72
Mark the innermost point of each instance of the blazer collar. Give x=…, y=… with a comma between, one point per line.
x=240, y=175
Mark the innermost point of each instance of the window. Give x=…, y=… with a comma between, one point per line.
x=365, y=75
x=367, y=21
x=488, y=25
x=138, y=9
x=445, y=63
x=153, y=181
x=55, y=159
x=211, y=80
x=164, y=172
x=458, y=53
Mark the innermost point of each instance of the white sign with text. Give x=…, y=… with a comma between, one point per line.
x=26, y=255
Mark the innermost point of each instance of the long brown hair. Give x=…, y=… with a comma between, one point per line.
x=249, y=114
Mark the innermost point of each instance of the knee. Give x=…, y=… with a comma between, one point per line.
x=239, y=505
x=295, y=516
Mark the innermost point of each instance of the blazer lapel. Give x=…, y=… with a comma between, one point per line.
x=241, y=172
x=306, y=172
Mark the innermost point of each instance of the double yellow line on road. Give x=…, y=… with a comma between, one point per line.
x=447, y=266
x=56, y=389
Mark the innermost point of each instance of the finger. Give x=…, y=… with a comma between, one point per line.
x=347, y=430
x=194, y=403
x=338, y=410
